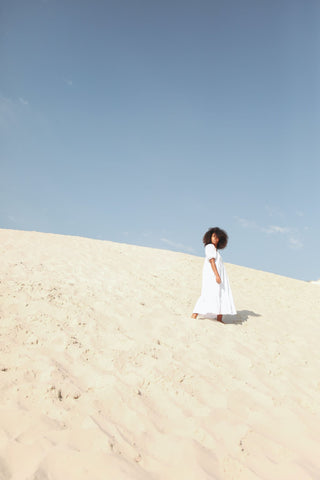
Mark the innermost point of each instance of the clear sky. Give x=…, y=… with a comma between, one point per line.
x=148, y=121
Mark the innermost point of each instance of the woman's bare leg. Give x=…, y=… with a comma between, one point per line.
x=219, y=318
x=194, y=315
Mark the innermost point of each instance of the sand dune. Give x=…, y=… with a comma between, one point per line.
x=105, y=375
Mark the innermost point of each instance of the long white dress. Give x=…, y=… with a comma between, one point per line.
x=215, y=299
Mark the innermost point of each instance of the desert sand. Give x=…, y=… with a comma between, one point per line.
x=104, y=375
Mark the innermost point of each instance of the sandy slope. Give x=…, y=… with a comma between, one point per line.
x=104, y=375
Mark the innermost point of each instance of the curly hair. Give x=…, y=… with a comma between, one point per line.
x=221, y=234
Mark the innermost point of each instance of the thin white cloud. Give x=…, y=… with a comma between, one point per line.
x=245, y=223
x=7, y=111
x=23, y=101
x=275, y=229
x=179, y=246
x=68, y=82
x=10, y=110
x=274, y=211
x=290, y=234
x=295, y=243
x=5, y=100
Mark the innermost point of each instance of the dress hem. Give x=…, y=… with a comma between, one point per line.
x=214, y=313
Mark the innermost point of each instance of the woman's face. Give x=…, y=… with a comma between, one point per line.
x=214, y=240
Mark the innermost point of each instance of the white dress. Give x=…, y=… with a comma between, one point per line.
x=215, y=299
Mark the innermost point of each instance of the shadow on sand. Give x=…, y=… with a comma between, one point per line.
x=241, y=317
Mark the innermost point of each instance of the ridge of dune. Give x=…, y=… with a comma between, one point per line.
x=105, y=375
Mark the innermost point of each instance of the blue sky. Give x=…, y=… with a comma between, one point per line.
x=146, y=122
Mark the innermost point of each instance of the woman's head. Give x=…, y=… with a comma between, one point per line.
x=218, y=237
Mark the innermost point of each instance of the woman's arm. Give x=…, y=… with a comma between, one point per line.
x=215, y=271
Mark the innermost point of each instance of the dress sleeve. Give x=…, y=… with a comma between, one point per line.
x=210, y=251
